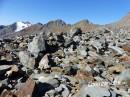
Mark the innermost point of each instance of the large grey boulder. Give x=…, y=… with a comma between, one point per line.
x=26, y=59
x=37, y=45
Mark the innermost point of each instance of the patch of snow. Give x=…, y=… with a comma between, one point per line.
x=22, y=25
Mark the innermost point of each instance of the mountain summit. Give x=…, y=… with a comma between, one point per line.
x=21, y=25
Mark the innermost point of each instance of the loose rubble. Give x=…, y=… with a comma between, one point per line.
x=67, y=64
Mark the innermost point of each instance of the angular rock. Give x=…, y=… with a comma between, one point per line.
x=26, y=59
x=43, y=64
x=27, y=89
x=37, y=45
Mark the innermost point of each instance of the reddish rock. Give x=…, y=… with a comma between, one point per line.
x=27, y=89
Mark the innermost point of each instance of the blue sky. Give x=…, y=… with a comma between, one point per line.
x=71, y=11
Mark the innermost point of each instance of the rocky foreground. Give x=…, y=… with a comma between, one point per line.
x=71, y=64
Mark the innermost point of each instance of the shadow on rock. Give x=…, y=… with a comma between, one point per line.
x=41, y=89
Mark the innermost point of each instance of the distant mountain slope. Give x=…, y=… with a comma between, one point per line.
x=21, y=25
x=57, y=26
x=15, y=27
x=124, y=24
x=85, y=25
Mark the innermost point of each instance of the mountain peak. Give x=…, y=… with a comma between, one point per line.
x=57, y=22
x=83, y=22
x=22, y=22
x=21, y=25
